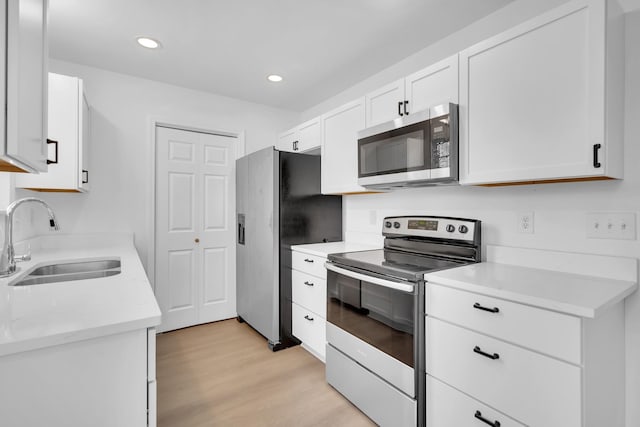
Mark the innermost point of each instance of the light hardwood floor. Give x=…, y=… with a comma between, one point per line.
x=223, y=374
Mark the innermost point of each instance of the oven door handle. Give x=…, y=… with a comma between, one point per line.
x=369, y=279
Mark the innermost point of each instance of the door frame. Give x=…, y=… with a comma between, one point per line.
x=181, y=124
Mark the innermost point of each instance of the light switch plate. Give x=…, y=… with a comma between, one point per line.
x=611, y=225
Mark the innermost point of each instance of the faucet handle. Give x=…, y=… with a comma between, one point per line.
x=24, y=257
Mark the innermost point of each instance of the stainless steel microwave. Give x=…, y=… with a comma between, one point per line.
x=411, y=151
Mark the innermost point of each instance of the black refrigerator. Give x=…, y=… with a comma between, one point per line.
x=278, y=204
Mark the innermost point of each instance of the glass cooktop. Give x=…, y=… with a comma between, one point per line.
x=397, y=264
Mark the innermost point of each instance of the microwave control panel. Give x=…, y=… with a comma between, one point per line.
x=440, y=142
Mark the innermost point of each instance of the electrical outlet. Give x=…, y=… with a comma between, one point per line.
x=525, y=222
x=610, y=225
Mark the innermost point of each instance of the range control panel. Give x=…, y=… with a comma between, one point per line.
x=430, y=226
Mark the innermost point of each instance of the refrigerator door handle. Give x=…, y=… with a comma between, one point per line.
x=241, y=229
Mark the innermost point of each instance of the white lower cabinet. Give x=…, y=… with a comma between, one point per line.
x=520, y=365
x=448, y=407
x=309, y=296
x=505, y=376
x=310, y=328
x=102, y=382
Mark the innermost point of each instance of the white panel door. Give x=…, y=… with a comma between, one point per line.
x=195, y=246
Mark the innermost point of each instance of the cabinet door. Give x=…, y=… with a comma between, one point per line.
x=26, y=84
x=434, y=85
x=448, y=407
x=310, y=135
x=340, y=148
x=310, y=328
x=288, y=140
x=386, y=103
x=68, y=133
x=532, y=99
x=528, y=386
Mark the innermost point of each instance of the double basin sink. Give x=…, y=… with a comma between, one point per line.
x=71, y=270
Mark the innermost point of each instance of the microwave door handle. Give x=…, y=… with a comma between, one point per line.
x=370, y=279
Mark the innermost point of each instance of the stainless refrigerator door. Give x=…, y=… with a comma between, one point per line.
x=258, y=259
x=243, y=296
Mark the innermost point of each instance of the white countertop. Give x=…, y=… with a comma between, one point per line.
x=324, y=249
x=570, y=293
x=44, y=315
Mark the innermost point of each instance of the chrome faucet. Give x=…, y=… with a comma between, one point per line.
x=8, y=258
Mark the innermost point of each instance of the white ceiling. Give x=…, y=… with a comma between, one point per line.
x=229, y=47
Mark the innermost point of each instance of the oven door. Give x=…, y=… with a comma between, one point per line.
x=388, y=154
x=375, y=322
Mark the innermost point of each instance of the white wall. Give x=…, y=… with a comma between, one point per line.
x=559, y=209
x=502, y=19
x=122, y=107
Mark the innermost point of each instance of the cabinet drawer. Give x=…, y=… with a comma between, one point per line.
x=548, y=332
x=310, y=264
x=309, y=328
x=447, y=407
x=532, y=388
x=310, y=292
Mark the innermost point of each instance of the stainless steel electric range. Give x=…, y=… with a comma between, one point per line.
x=375, y=313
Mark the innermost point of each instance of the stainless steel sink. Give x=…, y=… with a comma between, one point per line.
x=68, y=271
x=76, y=267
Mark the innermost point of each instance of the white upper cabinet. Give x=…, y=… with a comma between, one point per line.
x=340, y=148
x=68, y=139
x=23, y=85
x=386, y=103
x=436, y=84
x=288, y=140
x=544, y=101
x=303, y=138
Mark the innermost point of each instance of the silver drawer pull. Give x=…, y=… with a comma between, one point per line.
x=310, y=319
x=308, y=283
x=308, y=260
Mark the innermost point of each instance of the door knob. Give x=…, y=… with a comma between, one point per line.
x=197, y=240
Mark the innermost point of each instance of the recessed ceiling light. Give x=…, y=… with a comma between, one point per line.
x=148, y=43
x=274, y=78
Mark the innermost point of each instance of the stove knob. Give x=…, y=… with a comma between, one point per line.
x=387, y=224
x=463, y=229
x=451, y=228
x=396, y=225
